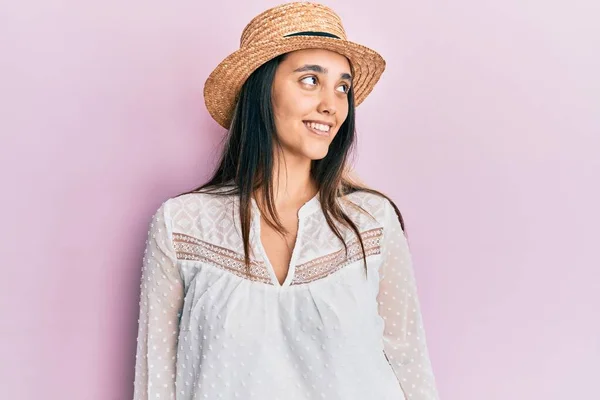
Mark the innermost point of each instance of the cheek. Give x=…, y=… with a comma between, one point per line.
x=290, y=110
x=342, y=112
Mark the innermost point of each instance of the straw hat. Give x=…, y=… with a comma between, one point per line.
x=279, y=30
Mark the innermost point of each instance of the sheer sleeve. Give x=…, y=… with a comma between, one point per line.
x=404, y=336
x=161, y=301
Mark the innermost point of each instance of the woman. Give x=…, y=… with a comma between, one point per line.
x=281, y=278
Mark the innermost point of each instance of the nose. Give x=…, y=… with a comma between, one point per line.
x=327, y=103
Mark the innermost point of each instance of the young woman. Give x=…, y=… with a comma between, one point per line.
x=282, y=278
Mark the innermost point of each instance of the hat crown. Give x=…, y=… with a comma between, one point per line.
x=292, y=18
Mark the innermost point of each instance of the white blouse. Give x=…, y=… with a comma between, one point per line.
x=330, y=331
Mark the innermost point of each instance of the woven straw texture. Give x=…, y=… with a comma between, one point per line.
x=264, y=38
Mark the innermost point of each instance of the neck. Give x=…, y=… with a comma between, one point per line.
x=292, y=183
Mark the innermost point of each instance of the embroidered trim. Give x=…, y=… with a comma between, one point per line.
x=328, y=264
x=189, y=248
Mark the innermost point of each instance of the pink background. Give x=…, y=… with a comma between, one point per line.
x=485, y=129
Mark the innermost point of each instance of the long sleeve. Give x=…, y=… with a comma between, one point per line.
x=161, y=301
x=404, y=336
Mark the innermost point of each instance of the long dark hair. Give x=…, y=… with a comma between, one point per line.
x=246, y=163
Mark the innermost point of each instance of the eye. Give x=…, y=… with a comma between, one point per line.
x=347, y=87
x=309, y=77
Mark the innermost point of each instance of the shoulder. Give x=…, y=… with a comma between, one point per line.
x=363, y=206
x=190, y=205
x=375, y=204
x=197, y=202
x=191, y=201
x=199, y=214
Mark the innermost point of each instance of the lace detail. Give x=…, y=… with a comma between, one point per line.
x=189, y=248
x=330, y=263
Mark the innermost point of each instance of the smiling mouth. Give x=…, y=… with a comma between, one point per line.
x=318, y=129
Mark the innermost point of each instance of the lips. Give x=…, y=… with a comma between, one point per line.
x=318, y=128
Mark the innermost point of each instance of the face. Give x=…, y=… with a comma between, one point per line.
x=310, y=101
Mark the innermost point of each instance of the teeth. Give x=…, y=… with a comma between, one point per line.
x=318, y=127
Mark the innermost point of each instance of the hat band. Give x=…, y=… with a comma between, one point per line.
x=311, y=33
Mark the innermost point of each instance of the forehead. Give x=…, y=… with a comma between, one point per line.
x=332, y=61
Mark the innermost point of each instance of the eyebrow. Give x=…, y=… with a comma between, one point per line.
x=321, y=70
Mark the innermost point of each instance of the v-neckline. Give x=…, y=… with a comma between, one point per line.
x=306, y=209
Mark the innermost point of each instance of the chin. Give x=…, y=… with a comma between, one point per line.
x=317, y=154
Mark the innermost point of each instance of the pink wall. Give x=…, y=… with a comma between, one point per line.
x=487, y=120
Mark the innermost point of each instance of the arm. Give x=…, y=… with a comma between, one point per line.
x=161, y=301
x=404, y=336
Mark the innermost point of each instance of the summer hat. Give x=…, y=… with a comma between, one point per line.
x=279, y=30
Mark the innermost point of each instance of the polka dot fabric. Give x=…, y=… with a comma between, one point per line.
x=207, y=331
x=404, y=336
x=160, y=306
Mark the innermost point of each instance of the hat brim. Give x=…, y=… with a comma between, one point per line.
x=224, y=83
